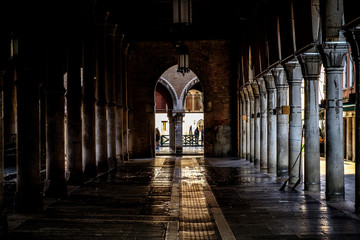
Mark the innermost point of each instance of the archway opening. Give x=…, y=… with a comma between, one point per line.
x=179, y=114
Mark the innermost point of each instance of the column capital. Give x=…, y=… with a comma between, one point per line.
x=293, y=72
x=310, y=65
x=242, y=95
x=246, y=93
x=262, y=86
x=250, y=91
x=255, y=88
x=333, y=54
x=279, y=76
x=269, y=81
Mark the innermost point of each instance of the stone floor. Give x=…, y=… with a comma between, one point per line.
x=190, y=197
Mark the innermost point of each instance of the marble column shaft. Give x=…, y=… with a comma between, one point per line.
x=263, y=124
x=55, y=184
x=256, y=93
x=294, y=78
x=74, y=168
x=333, y=55
x=247, y=124
x=178, y=118
x=28, y=196
x=101, y=103
x=110, y=90
x=243, y=123
x=271, y=122
x=282, y=120
x=349, y=143
x=310, y=65
x=89, y=144
x=125, y=102
x=252, y=123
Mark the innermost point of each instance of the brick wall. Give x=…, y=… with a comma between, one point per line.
x=211, y=61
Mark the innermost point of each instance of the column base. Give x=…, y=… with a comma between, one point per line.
x=335, y=196
x=28, y=202
x=282, y=173
x=74, y=178
x=55, y=188
x=248, y=156
x=312, y=186
x=257, y=163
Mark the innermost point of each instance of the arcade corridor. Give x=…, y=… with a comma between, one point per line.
x=189, y=198
x=277, y=84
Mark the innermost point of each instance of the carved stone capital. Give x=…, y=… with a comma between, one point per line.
x=262, y=85
x=255, y=88
x=279, y=76
x=293, y=72
x=246, y=93
x=333, y=54
x=250, y=91
x=269, y=81
x=310, y=65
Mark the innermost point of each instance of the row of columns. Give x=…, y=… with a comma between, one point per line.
x=271, y=106
x=96, y=112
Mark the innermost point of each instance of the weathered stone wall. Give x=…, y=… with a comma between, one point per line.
x=211, y=61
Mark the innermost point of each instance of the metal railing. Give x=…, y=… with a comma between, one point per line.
x=187, y=140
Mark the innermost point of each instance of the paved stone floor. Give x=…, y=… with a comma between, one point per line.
x=188, y=197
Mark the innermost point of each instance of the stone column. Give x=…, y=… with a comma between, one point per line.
x=119, y=97
x=125, y=102
x=101, y=104
x=28, y=197
x=252, y=121
x=74, y=168
x=294, y=78
x=178, y=119
x=247, y=123
x=255, y=89
x=282, y=119
x=349, y=138
x=243, y=124
x=263, y=124
x=239, y=124
x=3, y=217
x=110, y=90
x=353, y=37
x=333, y=56
x=55, y=184
x=171, y=131
x=88, y=137
x=271, y=122
x=353, y=137
x=310, y=66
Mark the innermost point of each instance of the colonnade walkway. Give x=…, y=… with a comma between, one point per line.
x=188, y=197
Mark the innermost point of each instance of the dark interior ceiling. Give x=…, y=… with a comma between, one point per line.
x=152, y=19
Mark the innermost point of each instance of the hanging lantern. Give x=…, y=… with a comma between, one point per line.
x=183, y=59
x=182, y=12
